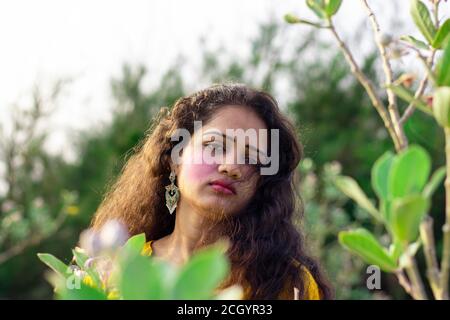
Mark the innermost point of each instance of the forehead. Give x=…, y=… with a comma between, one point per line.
x=235, y=117
x=243, y=118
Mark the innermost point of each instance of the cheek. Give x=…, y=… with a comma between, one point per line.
x=197, y=173
x=193, y=171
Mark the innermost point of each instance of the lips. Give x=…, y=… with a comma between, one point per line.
x=223, y=186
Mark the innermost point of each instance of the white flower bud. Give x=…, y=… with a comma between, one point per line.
x=90, y=242
x=385, y=39
x=113, y=235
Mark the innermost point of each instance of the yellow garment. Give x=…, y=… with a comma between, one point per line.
x=312, y=289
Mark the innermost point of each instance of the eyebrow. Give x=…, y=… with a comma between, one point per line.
x=218, y=133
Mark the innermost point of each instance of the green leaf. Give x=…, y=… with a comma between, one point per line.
x=135, y=244
x=54, y=263
x=408, y=213
x=380, y=174
x=441, y=106
x=422, y=19
x=386, y=212
x=202, y=274
x=442, y=35
x=395, y=250
x=364, y=244
x=406, y=95
x=351, y=188
x=434, y=182
x=409, y=172
x=318, y=7
x=415, y=42
x=142, y=278
x=84, y=292
x=332, y=6
x=443, y=68
x=80, y=257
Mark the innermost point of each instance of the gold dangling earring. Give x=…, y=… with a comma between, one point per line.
x=172, y=194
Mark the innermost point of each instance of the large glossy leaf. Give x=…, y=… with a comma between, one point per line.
x=407, y=214
x=409, y=172
x=422, y=19
x=202, y=274
x=351, y=188
x=364, y=244
x=380, y=174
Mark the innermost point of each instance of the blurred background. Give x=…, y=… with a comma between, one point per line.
x=81, y=82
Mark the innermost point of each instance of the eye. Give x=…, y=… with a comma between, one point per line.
x=215, y=146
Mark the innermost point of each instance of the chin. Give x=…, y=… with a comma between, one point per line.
x=217, y=209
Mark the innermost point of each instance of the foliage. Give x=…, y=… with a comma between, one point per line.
x=126, y=274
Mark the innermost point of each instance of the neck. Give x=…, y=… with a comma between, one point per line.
x=189, y=234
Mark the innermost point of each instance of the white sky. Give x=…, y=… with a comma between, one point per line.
x=41, y=41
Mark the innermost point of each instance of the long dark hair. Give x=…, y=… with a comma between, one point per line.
x=264, y=240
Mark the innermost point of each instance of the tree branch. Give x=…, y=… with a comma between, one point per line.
x=392, y=99
x=367, y=84
x=418, y=290
x=32, y=240
x=427, y=236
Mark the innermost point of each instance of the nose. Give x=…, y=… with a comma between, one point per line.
x=231, y=170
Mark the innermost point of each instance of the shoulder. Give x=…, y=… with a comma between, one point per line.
x=312, y=290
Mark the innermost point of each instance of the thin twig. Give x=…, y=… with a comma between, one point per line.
x=367, y=84
x=418, y=290
x=427, y=236
x=404, y=281
x=420, y=90
x=392, y=99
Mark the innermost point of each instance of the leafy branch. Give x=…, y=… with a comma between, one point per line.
x=404, y=198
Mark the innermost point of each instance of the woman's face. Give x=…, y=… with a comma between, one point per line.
x=217, y=176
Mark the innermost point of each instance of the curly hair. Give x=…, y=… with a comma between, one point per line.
x=264, y=240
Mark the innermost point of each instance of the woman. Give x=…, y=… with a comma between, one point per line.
x=183, y=203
